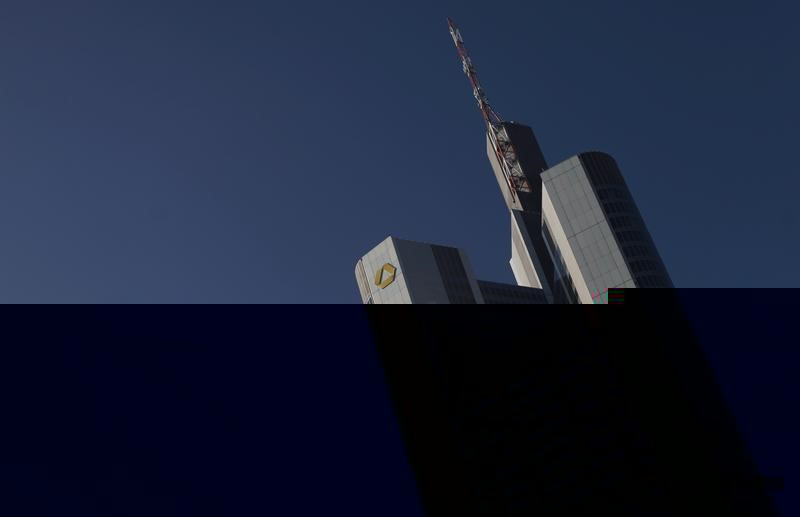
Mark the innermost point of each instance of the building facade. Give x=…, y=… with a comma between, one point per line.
x=398, y=271
x=576, y=232
x=593, y=231
x=530, y=263
x=547, y=412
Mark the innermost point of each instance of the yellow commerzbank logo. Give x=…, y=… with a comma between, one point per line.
x=385, y=275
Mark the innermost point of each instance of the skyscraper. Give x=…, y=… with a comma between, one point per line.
x=398, y=271
x=575, y=229
x=541, y=411
x=530, y=262
x=593, y=231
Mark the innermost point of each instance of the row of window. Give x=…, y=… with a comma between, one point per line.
x=567, y=293
x=620, y=207
x=651, y=281
x=640, y=266
x=635, y=251
x=601, y=169
x=621, y=221
x=628, y=236
x=608, y=193
x=454, y=277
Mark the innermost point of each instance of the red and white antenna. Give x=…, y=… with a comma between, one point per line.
x=501, y=142
x=489, y=114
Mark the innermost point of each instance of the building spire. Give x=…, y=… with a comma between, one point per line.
x=501, y=143
x=490, y=116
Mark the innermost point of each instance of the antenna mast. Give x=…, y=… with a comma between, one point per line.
x=501, y=143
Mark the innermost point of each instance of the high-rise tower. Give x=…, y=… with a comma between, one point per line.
x=593, y=232
x=575, y=229
x=539, y=411
x=398, y=271
x=530, y=262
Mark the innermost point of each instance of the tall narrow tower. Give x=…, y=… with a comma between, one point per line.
x=575, y=230
x=517, y=161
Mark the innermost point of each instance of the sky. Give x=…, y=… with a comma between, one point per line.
x=250, y=152
x=244, y=151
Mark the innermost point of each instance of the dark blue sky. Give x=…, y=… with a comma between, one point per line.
x=247, y=151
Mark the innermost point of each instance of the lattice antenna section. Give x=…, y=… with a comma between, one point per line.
x=498, y=136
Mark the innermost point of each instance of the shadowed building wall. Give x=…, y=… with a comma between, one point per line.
x=570, y=413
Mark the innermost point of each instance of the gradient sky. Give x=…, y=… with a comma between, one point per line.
x=244, y=151
x=249, y=151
